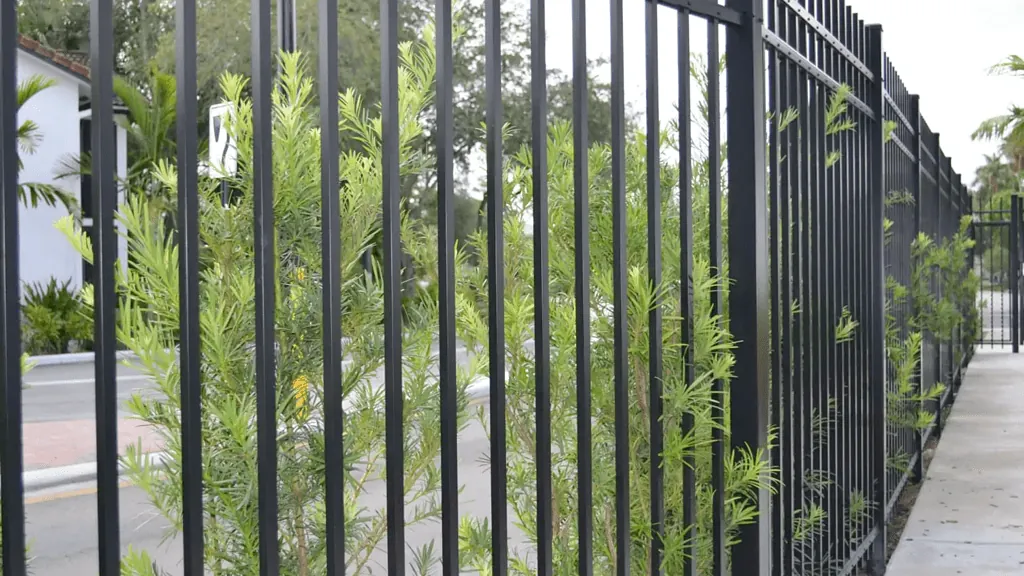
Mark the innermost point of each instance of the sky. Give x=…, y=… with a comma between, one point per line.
x=942, y=49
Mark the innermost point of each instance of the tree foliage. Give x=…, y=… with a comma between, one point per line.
x=1008, y=127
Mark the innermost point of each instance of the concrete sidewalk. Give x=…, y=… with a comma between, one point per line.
x=969, y=516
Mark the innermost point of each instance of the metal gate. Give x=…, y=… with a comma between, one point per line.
x=998, y=250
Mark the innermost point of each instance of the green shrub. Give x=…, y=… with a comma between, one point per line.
x=746, y=473
x=149, y=320
x=55, y=319
x=148, y=325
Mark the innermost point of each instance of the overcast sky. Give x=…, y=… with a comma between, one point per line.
x=942, y=49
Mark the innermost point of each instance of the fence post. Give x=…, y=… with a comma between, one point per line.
x=1019, y=218
x=748, y=265
x=936, y=288
x=972, y=259
x=12, y=510
x=876, y=312
x=915, y=107
x=1014, y=272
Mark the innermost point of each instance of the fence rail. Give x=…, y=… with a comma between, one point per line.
x=811, y=205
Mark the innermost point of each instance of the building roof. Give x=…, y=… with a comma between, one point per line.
x=74, y=63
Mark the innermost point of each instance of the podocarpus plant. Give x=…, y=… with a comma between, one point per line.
x=944, y=266
x=745, y=472
x=149, y=321
x=227, y=327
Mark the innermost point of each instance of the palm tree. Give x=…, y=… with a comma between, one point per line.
x=149, y=126
x=996, y=175
x=1008, y=127
x=29, y=139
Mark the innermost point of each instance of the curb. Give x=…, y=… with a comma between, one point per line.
x=45, y=478
x=74, y=358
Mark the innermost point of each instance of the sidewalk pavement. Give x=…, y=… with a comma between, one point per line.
x=969, y=516
x=59, y=444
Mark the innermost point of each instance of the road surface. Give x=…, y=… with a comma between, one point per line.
x=62, y=525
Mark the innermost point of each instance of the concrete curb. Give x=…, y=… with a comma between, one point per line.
x=45, y=478
x=74, y=358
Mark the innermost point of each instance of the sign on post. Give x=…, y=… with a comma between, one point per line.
x=223, y=153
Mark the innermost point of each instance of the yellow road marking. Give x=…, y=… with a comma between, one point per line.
x=69, y=494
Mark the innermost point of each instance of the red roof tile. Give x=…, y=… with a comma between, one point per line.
x=62, y=60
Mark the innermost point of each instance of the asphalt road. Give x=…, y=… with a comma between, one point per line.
x=58, y=393
x=62, y=526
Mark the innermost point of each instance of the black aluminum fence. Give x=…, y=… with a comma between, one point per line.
x=811, y=184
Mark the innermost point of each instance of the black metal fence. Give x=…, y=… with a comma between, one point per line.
x=812, y=182
x=997, y=225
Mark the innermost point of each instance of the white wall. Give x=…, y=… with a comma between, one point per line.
x=45, y=253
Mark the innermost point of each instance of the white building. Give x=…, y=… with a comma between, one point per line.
x=62, y=113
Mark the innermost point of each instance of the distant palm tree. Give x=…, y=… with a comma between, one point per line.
x=29, y=139
x=1007, y=127
x=994, y=177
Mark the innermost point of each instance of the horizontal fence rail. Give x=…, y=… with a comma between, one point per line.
x=708, y=344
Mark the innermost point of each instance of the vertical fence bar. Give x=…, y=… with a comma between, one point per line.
x=1012, y=272
x=286, y=25
x=11, y=456
x=496, y=289
x=104, y=196
x=619, y=264
x=263, y=216
x=796, y=184
x=776, y=256
x=1017, y=274
x=748, y=258
x=937, y=228
x=859, y=239
x=686, y=279
x=803, y=550
x=657, y=479
x=541, y=303
x=877, y=297
x=848, y=75
x=915, y=119
x=831, y=245
x=394, y=397
x=581, y=222
x=718, y=447
x=188, y=290
x=448, y=369
x=334, y=497
x=789, y=433
x=819, y=288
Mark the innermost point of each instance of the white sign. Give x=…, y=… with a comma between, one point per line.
x=223, y=153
